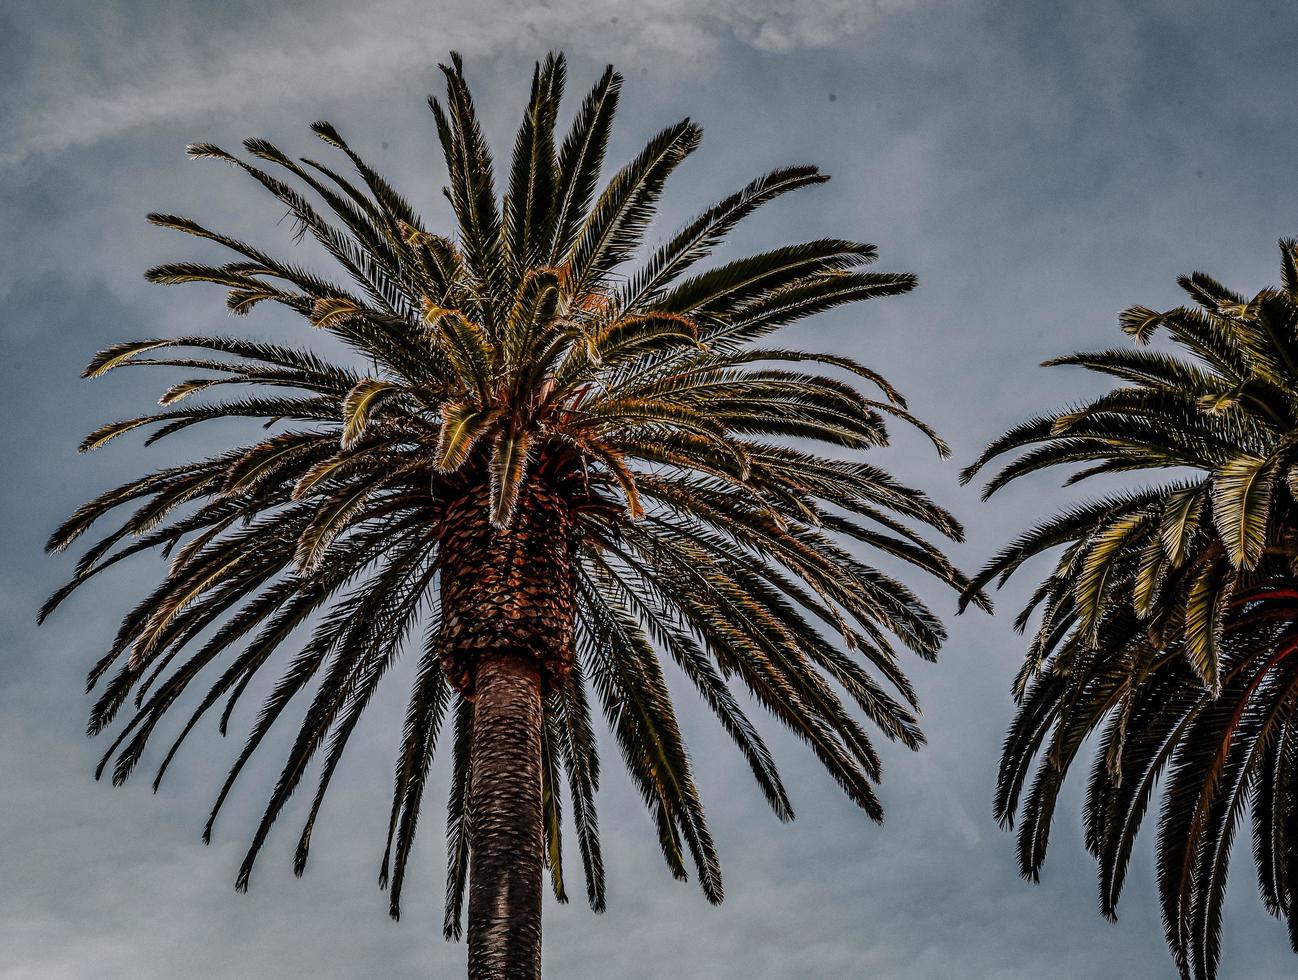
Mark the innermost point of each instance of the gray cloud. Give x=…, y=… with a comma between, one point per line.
x=1040, y=167
x=143, y=64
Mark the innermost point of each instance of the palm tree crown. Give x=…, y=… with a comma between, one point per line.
x=531, y=442
x=1169, y=622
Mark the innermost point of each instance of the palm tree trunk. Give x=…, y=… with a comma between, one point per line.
x=506, y=845
x=508, y=604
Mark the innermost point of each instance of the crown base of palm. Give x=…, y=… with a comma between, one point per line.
x=509, y=591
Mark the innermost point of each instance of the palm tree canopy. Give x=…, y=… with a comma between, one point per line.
x=1169, y=621
x=520, y=355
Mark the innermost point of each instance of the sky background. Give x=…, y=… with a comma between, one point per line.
x=1040, y=166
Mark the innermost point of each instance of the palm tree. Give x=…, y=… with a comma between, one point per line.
x=1169, y=623
x=549, y=474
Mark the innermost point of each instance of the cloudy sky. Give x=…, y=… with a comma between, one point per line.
x=1040, y=166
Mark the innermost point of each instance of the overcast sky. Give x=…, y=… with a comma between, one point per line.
x=1039, y=165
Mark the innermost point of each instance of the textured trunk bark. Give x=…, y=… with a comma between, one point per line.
x=508, y=600
x=508, y=591
x=506, y=845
